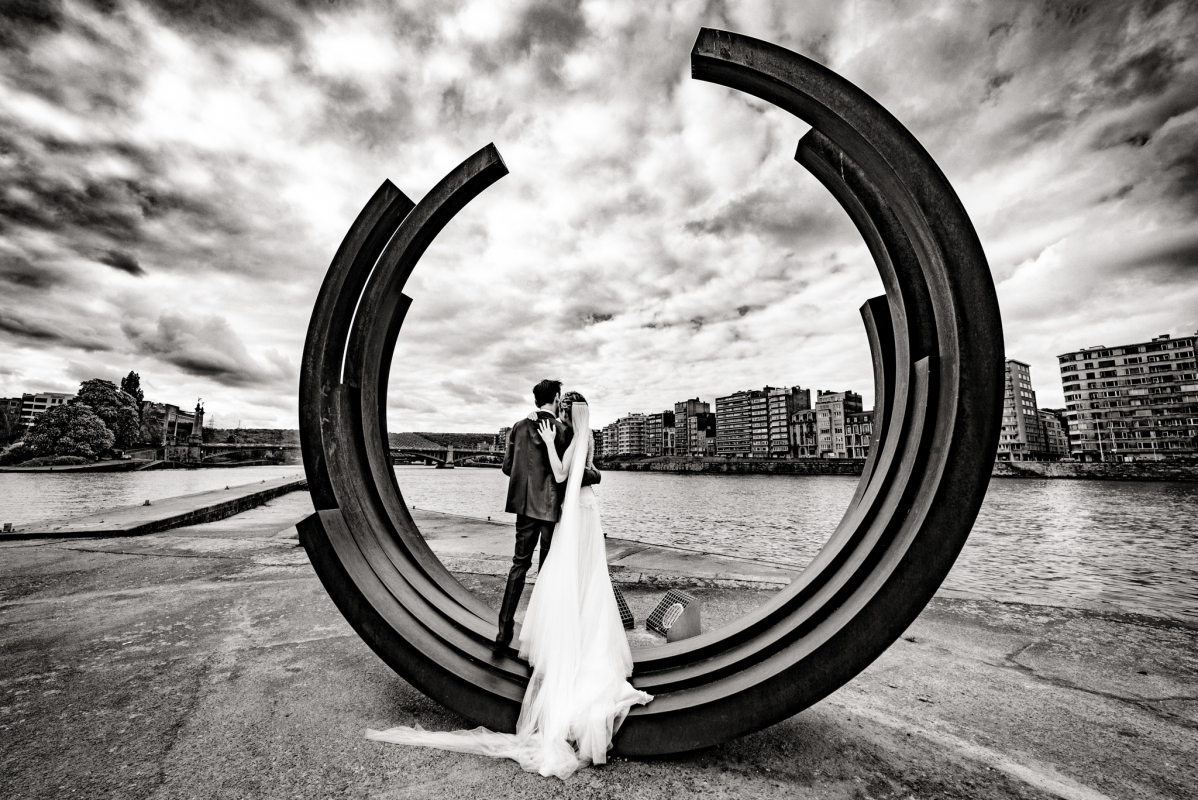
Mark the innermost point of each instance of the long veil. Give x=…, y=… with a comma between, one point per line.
x=572, y=637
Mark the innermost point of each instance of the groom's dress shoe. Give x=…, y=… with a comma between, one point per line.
x=502, y=641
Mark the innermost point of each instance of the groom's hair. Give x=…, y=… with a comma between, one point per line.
x=545, y=391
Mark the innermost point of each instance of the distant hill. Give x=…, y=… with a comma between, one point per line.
x=251, y=435
x=460, y=439
x=410, y=440
x=291, y=436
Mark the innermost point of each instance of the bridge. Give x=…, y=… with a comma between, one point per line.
x=406, y=447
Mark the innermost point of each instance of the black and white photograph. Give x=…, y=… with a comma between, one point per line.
x=598, y=399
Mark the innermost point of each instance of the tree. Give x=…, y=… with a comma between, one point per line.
x=116, y=408
x=131, y=385
x=70, y=430
x=10, y=425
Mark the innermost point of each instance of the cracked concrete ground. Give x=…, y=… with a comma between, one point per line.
x=208, y=662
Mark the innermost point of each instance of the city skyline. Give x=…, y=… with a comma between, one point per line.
x=178, y=182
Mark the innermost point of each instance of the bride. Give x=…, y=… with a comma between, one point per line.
x=579, y=692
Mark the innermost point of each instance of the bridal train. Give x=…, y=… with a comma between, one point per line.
x=579, y=692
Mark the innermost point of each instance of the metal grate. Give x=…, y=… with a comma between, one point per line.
x=668, y=611
x=625, y=612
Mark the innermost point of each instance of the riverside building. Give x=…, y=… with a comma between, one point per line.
x=630, y=435
x=858, y=433
x=1022, y=435
x=1056, y=435
x=734, y=424
x=1135, y=402
x=659, y=434
x=34, y=405
x=831, y=410
x=756, y=423
x=609, y=441
x=783, y=403
x=804, y=434
x=687, y=424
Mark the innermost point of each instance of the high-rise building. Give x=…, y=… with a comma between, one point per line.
x=858, y=433
x=34, y=405
x=1056, y=434
x=756, y=422
x=682, y=412
x=597, y=435
x=701, y=434
x=1133, y=402
x=630, y=435
x=783, y=403
x=831, y=409
x=501, y=438
x=734, y=423
x=659, y=434
x=610, y=442
x=1022, y=434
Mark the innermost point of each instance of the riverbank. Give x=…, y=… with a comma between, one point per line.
x=1105, y=471
x=1131, y=471
x=162, y=515
x=208, y=661
x=737, y=466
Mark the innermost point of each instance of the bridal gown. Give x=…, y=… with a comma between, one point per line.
x=579, y=692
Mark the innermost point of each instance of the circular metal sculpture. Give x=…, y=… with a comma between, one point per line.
x=937, y=349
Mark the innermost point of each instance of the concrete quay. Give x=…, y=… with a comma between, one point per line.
x=160, y=515
x=208, y=662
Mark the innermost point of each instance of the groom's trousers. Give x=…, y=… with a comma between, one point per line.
x=528, y=532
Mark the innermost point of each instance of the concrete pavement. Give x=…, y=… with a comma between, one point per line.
x=208, y=662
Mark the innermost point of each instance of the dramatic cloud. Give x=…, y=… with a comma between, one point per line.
x=175, y=177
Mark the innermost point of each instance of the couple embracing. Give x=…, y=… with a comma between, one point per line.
x=579, y=692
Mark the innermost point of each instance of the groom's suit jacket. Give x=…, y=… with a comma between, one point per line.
x=532, y=490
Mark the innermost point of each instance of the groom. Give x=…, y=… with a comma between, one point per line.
x=533, y=495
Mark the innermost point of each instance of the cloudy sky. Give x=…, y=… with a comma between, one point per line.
x=175, y=177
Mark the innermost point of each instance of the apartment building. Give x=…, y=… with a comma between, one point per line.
x=597, y=435
x=683, y=411
x=783, y=403
x=1056, y=434
x=831, y=410
x=659, y=434
x=1133, y=402
x=1022, y=435
x=734, y=424
x=756, y=423
x=630, y=435
x=34, y=405
x=610, y=448
x=701, y=434
x=858, y=433
x=803, y=433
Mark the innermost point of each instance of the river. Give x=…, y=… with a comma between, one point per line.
x=1127, y=546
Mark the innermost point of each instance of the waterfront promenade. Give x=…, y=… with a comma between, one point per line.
x=207, y=661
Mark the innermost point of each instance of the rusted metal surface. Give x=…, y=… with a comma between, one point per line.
x=938, y=364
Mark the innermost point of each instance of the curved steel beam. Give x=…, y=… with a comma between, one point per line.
x=936, y=340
